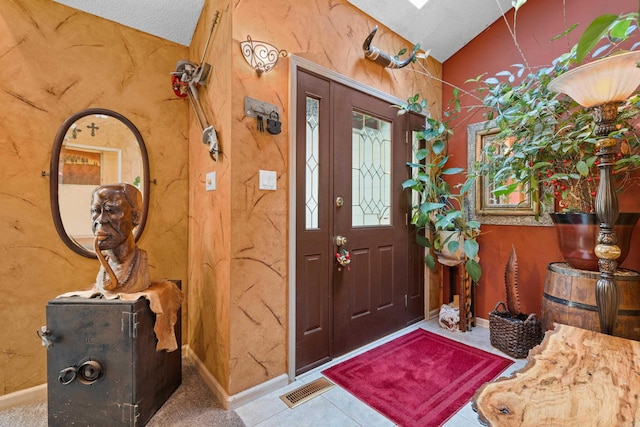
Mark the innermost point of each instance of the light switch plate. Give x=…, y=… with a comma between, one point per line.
x=210, y=182
x=268, y=180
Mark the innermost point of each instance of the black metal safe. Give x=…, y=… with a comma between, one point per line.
x=102, y=365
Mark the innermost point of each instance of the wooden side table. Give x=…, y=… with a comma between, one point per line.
x=463, y=287
x=575, y=377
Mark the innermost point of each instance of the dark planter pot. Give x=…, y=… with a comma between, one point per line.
x=577, y=234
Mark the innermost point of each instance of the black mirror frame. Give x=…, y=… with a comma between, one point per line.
x=54, y=169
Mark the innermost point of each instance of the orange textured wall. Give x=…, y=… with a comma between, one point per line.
x=57, y=61
x=238, y=233
x=329, y=33
x=210, y=212
x=492, y=51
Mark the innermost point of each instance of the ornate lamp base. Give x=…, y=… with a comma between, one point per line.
x=606, y=250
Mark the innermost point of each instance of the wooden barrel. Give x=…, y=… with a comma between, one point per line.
x=570, y=298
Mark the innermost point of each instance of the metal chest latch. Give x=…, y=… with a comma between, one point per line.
x=130, y=414
x=130, y=323
x=87, y=372
x=45, y=336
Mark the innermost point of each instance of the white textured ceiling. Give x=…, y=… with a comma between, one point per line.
x=174, y=20
x=441, y=26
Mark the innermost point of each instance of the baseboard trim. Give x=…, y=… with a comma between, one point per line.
x=257, y=391
x=33, y=394
x=206, y=376
x=239, y=399
x=23, y=397
x=482, y=323
x=433, y=314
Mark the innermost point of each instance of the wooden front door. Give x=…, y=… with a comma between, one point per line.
x=351, y=155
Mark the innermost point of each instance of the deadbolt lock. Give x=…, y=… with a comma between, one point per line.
x=339, y=201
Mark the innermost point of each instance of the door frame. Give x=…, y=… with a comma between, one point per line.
x=296, y=62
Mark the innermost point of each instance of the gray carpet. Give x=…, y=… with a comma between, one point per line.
x=193, y=404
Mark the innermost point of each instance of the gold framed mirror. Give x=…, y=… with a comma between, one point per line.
x=93, y=147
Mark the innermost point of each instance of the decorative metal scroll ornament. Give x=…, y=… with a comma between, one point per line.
x=374, y=54
x=261, y=56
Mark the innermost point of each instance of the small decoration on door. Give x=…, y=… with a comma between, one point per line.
x=343, y=258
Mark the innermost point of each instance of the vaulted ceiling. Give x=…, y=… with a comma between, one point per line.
x=441, y=26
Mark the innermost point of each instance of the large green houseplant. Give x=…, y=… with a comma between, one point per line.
x=439, y=209
x=546, y=139
x=546, y=143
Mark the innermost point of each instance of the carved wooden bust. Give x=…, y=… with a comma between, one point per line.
x=115, y=212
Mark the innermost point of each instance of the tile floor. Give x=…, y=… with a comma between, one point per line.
x=336, y=407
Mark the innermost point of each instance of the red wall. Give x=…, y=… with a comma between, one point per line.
x=492, y=51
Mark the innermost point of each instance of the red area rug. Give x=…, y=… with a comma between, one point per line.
x=419, y=379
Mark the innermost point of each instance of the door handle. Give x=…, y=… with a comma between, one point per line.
x=340, y=240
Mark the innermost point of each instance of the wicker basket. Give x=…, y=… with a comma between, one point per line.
x=514, y=336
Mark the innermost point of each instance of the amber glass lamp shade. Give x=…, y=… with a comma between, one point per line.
x=611, y=79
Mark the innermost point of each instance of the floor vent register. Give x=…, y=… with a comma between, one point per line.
x=306, y=392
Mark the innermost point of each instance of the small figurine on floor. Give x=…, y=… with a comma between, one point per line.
x=449, y=316
x=124, y=270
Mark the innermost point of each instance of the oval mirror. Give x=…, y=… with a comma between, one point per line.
x=93, y=147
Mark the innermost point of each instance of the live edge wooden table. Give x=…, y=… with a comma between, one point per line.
x=573, y=378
